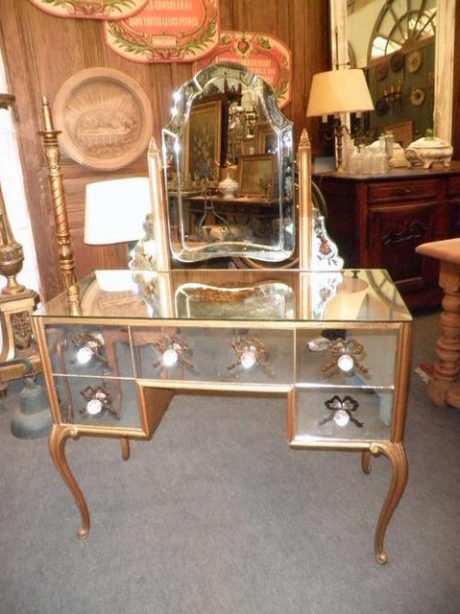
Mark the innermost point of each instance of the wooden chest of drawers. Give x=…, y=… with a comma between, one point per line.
x=378, y=221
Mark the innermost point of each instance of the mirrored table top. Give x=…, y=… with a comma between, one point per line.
x=264, y=295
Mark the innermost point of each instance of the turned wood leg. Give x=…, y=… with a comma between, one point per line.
x=366, y=461
x=57, y=440
x=446, y=368
x=125, y=451
x=397, y=455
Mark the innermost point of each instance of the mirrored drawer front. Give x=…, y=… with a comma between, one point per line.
x=97, y=401
x=342, y=413
x=347, y=357
x=90, y=350
x=214, y=354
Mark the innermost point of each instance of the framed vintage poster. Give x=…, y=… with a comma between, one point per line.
x=90, y=9
x=263, y=54
x=256, y=175
x=203, y=141
x=166, y=31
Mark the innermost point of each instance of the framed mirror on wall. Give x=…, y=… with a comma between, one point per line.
x=406, y=49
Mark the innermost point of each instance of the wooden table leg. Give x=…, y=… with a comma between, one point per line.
x=444, y=387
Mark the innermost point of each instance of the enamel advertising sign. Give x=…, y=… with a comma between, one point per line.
x=264, y=55
x=166, y=31
x=90, y=9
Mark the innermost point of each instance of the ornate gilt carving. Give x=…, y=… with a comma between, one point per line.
x=22, y=330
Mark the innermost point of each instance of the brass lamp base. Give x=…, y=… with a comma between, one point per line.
x=17, y=335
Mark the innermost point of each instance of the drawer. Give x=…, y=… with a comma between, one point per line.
x=419, y=189
x=97, y=401
x=342, y=414
x=453, y=186
x=89, y=350
x=348, y=357
x=214, y=354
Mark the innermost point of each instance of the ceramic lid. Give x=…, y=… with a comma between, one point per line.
x=428, y=143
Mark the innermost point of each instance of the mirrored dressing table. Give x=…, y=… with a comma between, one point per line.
x=117, y=346
x=114, y=362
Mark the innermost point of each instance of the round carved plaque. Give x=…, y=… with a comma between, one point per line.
x=105, y=118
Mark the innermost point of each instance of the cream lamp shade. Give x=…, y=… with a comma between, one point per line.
x=339, y=91
x=115, y=210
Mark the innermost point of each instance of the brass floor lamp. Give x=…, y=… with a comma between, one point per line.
x=19, y=357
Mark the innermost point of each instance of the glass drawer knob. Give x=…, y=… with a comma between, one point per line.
x=84, y=355
x=248, y=359
x=94, y=407
x=169, y=358
x=341, y=418
x=346, y=363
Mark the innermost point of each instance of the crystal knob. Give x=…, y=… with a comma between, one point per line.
x=169, y=358
x=346, y=363
x=94, y=407
x=341, y=418
x=84, y=355
x=248, y=359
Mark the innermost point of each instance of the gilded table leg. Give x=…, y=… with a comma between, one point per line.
x=397, y=455
x=125, y=452
x=57, y=440
x=366, y=461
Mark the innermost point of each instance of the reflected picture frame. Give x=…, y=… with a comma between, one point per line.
x=256, y=175
x=203, y=141
x=267, y=139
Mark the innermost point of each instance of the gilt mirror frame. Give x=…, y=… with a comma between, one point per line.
x=158, y=159
x=444, y=58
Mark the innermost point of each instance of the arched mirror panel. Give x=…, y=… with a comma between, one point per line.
x=229, y=169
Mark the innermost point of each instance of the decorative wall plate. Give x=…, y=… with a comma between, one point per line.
x=397, y=61
x=90, y=9
x=172, y=31
x=414, y=61
x=382, y=106
x=381, y=70
x=105, y=118
x=263, y=54
x=417, y=96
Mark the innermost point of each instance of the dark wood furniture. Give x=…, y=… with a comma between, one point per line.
x=379, y=220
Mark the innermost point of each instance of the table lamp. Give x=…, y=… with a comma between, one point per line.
x=339, y=91
x=119, y=211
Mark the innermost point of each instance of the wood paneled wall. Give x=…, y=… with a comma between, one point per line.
x=42, y=51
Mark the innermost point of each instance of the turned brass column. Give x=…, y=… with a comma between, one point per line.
x=62, y=232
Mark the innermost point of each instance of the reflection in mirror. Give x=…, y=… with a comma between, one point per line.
x=236, y=294
x=228, y=159
x=267, y=300
x=394, y=42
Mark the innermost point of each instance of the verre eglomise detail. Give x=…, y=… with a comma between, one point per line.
x=229, y=169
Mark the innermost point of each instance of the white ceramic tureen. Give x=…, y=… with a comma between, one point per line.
x=429, y=150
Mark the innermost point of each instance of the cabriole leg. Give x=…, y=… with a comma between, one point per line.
x=57, y=439
x=397, y=455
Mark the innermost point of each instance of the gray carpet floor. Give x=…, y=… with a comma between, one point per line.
x=216, y=515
